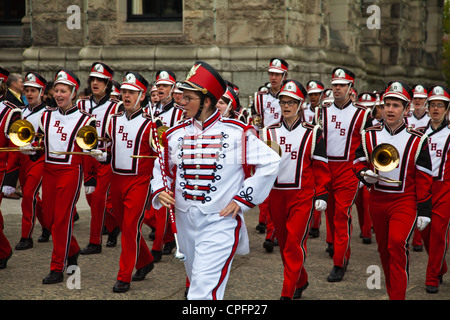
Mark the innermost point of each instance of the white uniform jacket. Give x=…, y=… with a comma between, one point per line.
x=208, y=163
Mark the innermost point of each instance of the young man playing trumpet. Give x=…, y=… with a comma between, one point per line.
x=396, y=208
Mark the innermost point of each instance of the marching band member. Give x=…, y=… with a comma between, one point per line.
x=170, y=113
x=228, y=103
x=63, y=173
x=301, y=185
x=419, y=116
x=268, y=109
x=101, y=106
x=396, y=209
x=315, y=90
x=130, y=132
x=435, y=235
x=342, y=124
x=29, y=171
x=210, y=193
x=8, y=114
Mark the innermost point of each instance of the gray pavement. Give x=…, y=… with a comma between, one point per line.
x=256, y=276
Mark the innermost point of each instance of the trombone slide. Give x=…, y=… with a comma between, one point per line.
x=382, y=178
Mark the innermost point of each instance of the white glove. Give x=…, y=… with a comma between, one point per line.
x=99, y=155
x=422, y=222
x=369, y=177
x=89, y=189
x=8, y=190
x=320, y=205
x=28, y=150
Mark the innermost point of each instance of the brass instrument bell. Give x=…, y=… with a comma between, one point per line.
x=21, y=132
x=87, y=137
x=385, y=157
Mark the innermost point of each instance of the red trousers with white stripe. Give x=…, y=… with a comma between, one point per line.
x=30, y=178
x=61, y=185
x=97, y=201
x=5, y=246
x=436, y=235
x=394, y=219
x=129, y=196
x=344, y=189
x=291, y=212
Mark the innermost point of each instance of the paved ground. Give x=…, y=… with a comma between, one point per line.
x=256, y=276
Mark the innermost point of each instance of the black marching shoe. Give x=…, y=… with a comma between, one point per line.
x=91, y=249
x=168, y=247
x=45, y=235
x=432, y=289
x=72, y=261
x=337, y=274
x=53, y=277
x=112, y=237
x=4, y=261
x=268, y=245
x=157, y=255
x=298, y=292
x=140, y=274
x=261, y=227
x=314, y=233
x=121, y=286
x=24, y=243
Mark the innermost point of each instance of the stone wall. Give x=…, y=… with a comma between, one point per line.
x=238, y=38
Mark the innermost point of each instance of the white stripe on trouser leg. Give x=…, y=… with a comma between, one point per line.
x=208, y=241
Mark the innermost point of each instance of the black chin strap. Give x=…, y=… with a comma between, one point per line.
x=199, y=112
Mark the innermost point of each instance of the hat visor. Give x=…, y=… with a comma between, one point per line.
x=127, y=86
x=67, y=82
x=98, y=75
x=367, y=104
x=164, y=82
x=32, y=84
x=340, y=81
x=418, y=95
x=442, y=98
x=276, y=70
x=315, y=91
x=289, y=94
x=395, y=95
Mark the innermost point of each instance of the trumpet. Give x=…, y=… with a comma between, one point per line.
x=385, y=157
x=86, y=139
x=21, y=133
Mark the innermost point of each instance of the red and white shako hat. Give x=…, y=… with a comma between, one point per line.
x=231, y=94
x=33, y=79
x=165, y=77
x=4, y=74
x=293, y=89
x=115, y=90
x=177, y=88
x=204, y=78
x=66, y=76
x=398, y=89
x=439, y=92
x=328, y=96
x=367, y=99
x=419, y=91
x=134, y=81
x=342, y=75
x=314, y=86
x=101, y=70
x=278, y=65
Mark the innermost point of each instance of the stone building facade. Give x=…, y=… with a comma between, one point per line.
x=237, y=37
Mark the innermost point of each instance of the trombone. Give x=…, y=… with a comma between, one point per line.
x=86, y=139
x=21, y=133
x=385, y=157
